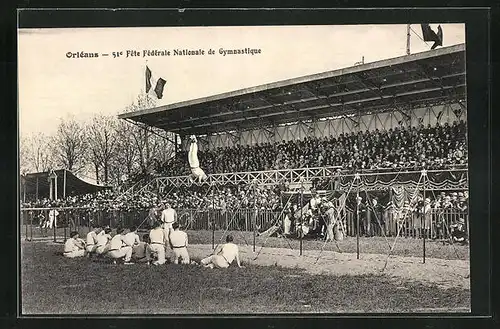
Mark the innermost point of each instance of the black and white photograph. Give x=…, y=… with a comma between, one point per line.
x=212, y=170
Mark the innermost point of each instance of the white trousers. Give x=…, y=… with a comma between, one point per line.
x=102, y=249
x=329, y=232
x=122, y=252
x=76, y=253
x=216, y=261
x=287, y=223
x=166, y=231
x=158, y=249
x=181, y=253
x=193, y=156
x=198, y=173
x=91, y=248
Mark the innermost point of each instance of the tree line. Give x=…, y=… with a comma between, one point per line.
x=105, y=148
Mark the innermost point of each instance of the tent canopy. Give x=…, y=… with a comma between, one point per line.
x=37, y=185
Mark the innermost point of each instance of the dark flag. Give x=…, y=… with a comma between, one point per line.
x=430, y=35
x=159, y=84
x=148, y=79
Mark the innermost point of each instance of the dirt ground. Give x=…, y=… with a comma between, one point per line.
x=444, y=273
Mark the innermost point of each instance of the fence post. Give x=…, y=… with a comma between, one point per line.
x=213, y=230
x=25, y=222
x=31, y=227
x=254, y=233
x=55, y=227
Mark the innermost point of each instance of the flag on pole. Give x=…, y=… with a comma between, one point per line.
x=159, y=84
x=430, y=35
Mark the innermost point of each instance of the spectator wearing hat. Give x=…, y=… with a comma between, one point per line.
x=74, y=246
x=458, y=231
x=426, y=218
x=407, y=218
x=330, y=221
x=360, y=210
x=374, y=217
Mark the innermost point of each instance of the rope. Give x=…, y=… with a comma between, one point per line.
x=265, y=240
x=341, y=222
x=404, y=220
x=378, y=221
x=441, y=216
x=411, y=29
x=227, y=228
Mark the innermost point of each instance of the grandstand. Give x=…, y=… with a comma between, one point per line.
x=423, y=89
x=414, y=103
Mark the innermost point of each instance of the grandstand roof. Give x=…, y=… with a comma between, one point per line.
x=421, y=79
x=74, y=185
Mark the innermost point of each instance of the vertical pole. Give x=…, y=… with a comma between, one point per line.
x=357, y=220
x=213, y=223
x=301, y=213
x=55, y=225
x=254, y=219
x=23, y=180
x=424, y=215
x=254, y=226
x=37, y=188
x=31, y=227
x=55, y=189
x=51, y=188
x=64, y=184
x=25, y=222
x=66, y=226
x=408, y=39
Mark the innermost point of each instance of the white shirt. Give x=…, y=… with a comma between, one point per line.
x=156, y=236
x=116, y=242
x=229, y=252
x=91, y=238
x=131, y=238
x=102, y=239
x=314, y=203
x=168, y=215
x=71, y=245
x=178, y=238
x=53, y=214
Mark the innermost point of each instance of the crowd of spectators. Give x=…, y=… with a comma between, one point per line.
x=438, y=147
x=196, y=197
x=226, y=198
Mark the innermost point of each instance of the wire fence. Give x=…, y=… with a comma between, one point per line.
x=57, y=223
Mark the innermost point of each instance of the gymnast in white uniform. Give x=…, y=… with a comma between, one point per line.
x=196, y=172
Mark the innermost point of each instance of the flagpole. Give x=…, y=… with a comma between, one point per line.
x=408, y=35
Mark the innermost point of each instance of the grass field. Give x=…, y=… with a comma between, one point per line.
x=52, y=284
x=374, y=245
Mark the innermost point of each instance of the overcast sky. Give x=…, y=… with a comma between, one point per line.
x=53, y=86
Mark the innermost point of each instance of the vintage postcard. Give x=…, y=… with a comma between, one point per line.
x=244, y=170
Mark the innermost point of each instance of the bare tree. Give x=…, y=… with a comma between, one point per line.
x=101, y=141
x=126, y=152
x=69, y=145
x=35, y=153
